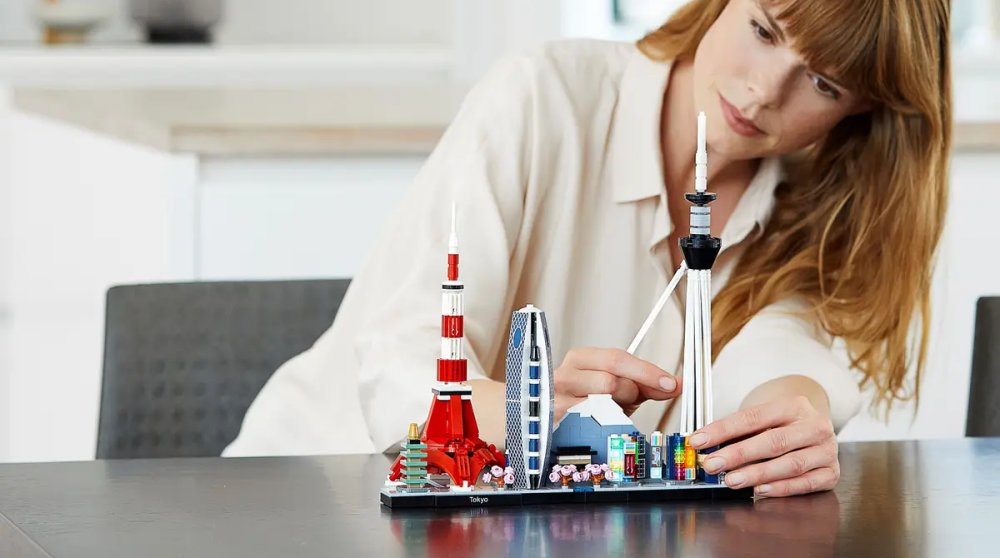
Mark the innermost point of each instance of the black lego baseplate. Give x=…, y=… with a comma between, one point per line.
x=637, y=492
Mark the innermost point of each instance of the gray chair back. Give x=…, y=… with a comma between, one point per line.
x=983, y=417
x=183, y=361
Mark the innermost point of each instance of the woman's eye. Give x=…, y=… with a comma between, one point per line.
x=761, y=32
x=824, y=88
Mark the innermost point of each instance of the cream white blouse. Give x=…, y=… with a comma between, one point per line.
x=554, y=164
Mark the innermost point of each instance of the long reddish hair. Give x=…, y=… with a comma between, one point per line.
x=856, y=224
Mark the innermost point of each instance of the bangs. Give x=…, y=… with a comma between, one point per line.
x=840, y=38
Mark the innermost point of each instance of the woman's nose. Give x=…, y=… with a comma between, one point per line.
x=770, y=83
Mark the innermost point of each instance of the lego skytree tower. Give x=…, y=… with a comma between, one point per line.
x=451, y=432
x=700, y=249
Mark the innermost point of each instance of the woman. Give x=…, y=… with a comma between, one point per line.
x=829, y=132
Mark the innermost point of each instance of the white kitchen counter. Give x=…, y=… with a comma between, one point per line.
x=243, y=100
x=401, y=119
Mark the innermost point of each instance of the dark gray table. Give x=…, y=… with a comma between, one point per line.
x=930, y=498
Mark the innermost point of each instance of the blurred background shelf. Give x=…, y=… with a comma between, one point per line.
x=213, y=66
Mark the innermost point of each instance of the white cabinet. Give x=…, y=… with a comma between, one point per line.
x=294, y=217
x=85, y=212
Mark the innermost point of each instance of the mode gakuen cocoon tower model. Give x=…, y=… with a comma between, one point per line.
x=530, y=397
x=451, y=432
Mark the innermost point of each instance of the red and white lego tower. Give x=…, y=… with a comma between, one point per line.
x=451, y=432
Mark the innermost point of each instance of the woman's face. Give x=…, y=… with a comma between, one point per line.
x=758, y=94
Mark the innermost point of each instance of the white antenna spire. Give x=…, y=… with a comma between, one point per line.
x=701, y=158
x=453, y=239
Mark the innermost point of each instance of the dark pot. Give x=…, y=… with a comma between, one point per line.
x=177, y=21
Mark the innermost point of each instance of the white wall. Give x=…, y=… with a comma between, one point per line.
x=595, y=18
x=965, y=272
x=339, y=21
x=294, y=217
x=486, y=30
x=277, y=21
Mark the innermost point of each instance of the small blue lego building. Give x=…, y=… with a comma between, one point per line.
x=590, y=422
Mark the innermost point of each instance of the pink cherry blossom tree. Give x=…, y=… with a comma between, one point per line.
x=499, y=477
x=562, y=474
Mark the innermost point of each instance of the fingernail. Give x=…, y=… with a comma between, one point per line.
x=763, y=489
x=668, y=383
x=698, y=440
x=713, y=464
x=735, y=480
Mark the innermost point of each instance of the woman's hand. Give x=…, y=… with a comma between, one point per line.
x=792, y=448
x=629, y=380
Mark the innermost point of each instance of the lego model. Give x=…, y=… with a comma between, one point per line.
x=619, y=463
x=451, y=432
x=656, y=455
x=530, y=397
x=413, y=462
x=501, y=478
x=640, y=455
x=580, y=456
x=700, y=249
x=590, y=423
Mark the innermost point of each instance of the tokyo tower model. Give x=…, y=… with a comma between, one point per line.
x=451, y=433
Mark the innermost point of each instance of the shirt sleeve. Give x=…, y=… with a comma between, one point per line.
x=779, y=341
x=481, y=164
x=372, y=372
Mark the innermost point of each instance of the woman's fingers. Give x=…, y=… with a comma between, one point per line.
x=651, y=379
x=581, y=383
x=770, y=443
x=659, y=394
x=623, y=391
x=629, y=380
x=751, y=421
x=824, y=478
x=789, y=466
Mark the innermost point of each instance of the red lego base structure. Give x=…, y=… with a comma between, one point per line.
x=452, y=438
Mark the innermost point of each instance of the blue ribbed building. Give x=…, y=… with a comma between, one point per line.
x=530, y=397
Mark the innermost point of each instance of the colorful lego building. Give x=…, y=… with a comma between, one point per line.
x=656, y=455
x=589, y=423
x=413, y=461
x=640, y=455
x=616, y=455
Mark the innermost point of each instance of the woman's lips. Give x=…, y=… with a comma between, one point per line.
x=740, y=125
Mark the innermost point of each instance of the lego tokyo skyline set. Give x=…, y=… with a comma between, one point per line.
x=594, y=454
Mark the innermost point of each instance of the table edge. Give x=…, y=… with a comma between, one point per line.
x=15, y=543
